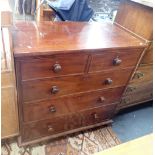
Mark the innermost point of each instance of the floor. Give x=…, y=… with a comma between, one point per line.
x=134, y=122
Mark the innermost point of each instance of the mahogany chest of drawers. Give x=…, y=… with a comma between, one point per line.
x=70, y=76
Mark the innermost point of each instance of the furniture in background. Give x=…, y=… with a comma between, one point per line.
x=9, y=114
x=137, y=19
x=70, y=76
x=44, y=12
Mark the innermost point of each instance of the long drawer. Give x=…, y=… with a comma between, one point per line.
x=52, y=66
x=49, y=127
x=55, y=87
x=116, y=59
x=57, y=125
x=74, y=103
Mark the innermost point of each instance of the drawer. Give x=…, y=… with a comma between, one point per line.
x=136, y=94
x=44, y=110
x=143, y=74
x=148, y=57
x=55, y=87
x=97, y=115
x=53, y=66
x=31, y=131
x=114, y=59
x=75, y=103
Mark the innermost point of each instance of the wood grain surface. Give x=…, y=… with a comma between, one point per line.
x=137, y=94
x=107, y=60
x=70, y=76
x=9, y=110
x=31, y=38
x=44, y=88
x=49, y=127
x=74, y=103
x=43, y=67
x=136, y=18
x=148, y=57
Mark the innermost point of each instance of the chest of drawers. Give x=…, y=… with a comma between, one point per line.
x=140, y=87
x=70, y=76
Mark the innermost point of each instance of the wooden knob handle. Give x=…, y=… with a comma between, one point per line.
x=54, y=90
x=124, y=101
x=95, y=115
x=52, y=109
x=130, y=89
x=57, y=68
x=102, y=99
x=117, y=61
x=50, y=128
x=138, y=75
x=108, y=81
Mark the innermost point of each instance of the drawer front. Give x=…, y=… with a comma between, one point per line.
x=136, y=94
x=61, y=106
x=44, y=110
x=114, y=59
x=57, y=125
x=49, y=127
x=53, y=66
x=51, y=88
x=97, y=115
x=143, y=74
x=148, y=57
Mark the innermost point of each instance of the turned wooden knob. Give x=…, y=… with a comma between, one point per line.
x=102, y=99
x=130, y=89
x=108, y=81
x=138, y=75
x=50, y=128
x=54, y=90
x=57, y=68
x=95, y=115
x=52, y=109
x=117, y=61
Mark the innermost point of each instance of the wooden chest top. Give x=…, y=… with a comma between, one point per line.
x=31, y=38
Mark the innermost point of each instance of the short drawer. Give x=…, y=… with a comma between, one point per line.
x=44, y=110
x=52, y=66
x=56, y=87
x=143, y=74
x=116, y=59
x=97, y=115
x=74, y=103
x=31, y=131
